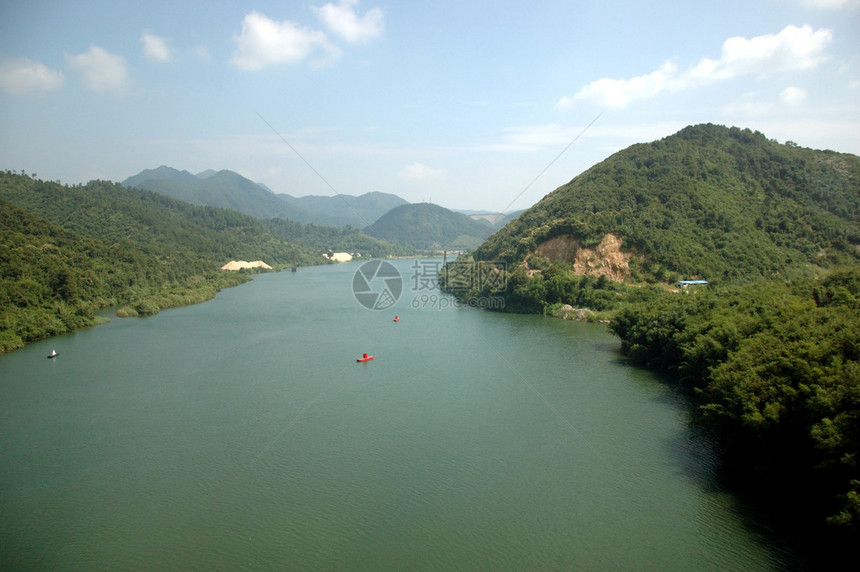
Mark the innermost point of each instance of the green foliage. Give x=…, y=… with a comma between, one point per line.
x=538, y=290
x=770, y=349
x=776, y=368
x=100, y=244
x=710, y=201
x=338, y=239
x=426, y=226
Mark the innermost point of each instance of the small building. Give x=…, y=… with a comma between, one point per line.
x=688, y=283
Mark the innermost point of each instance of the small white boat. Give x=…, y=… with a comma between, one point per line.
x=53, y=354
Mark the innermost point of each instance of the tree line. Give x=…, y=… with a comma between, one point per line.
x=66, y=252
x=774, y=367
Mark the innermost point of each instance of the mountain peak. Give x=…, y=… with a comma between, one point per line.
x=711, y=201
x=162, y=173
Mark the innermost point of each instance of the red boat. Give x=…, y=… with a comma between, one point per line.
x=365, y=357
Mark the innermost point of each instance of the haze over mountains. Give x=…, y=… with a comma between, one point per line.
x=414, y=225
x=227, y=189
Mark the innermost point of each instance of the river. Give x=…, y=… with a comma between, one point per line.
x=241, y=434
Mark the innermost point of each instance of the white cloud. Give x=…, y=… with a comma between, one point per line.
x=20, y=76
x=100, y=70
x=619, y=92
x=342, y=20
x=420, y=172
x=155, y=47
x=791, y=49
x=265, y=42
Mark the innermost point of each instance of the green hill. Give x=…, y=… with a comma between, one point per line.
x=317, y=222
x=767, y=352
x=426, y=226
x=224, y=189
x=110, y=212
x=67, y=251
x=713, y=202
x=337, y=239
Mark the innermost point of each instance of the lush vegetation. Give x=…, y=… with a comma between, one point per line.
x=715, y=202
x=426, y=226
x=110, y=212
x=541, y=287
x=337, y=239
x=66, y=251
x=770, y=349
x=775, y=368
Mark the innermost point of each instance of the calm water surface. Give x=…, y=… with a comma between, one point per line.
x=241, y=434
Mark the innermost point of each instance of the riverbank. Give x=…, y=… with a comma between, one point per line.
x=20, y=326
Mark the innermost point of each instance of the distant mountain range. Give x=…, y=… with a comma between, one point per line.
x=343, y=210
x=227, y=189
x=422, y=226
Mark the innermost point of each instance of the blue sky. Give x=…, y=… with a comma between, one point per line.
x=467, y=104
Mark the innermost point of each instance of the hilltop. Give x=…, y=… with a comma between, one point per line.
x=223, y=189
x=709, y=201
x=426, y=226
x=320, y=223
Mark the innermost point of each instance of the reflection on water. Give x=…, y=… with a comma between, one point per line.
x=242, y=434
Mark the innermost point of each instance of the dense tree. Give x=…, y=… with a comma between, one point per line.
x=721, y=203
x=100, y=244
x=427, y=226
x=770, y=350
x=775, y=367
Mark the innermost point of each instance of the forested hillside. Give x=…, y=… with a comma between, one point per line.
x=338, y=239
x=67, y=251
x=714, y=202
x=774, y=368
x=224, y=189
x=426, y=226
x=769, y=350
